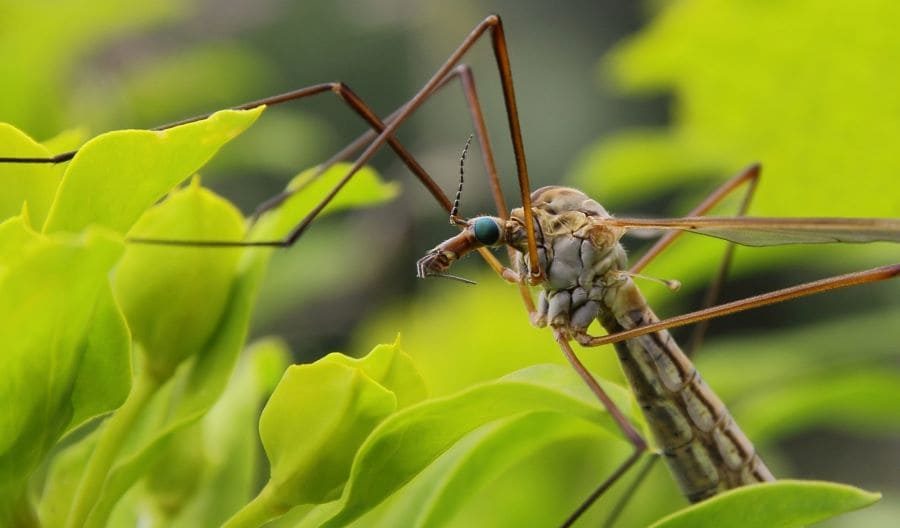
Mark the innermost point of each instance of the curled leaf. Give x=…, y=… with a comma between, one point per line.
x=782, y=504
x=174, y=297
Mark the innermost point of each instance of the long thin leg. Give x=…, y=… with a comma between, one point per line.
x=464, y=74
x=626, y=495
x=793, y=292
x=344, y=93
x=467, y=79
x=636, y=440
x=750, y=176
x=493, y=24
x=352, y=148
x=468, y=83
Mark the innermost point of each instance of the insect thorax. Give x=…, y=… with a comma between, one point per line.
x=579, y=254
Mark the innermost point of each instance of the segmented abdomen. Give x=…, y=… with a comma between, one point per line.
x=705, y=449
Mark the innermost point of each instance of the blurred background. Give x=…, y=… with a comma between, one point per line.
x=646, y=106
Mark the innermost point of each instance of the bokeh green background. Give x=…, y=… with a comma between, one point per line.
x=645, y=106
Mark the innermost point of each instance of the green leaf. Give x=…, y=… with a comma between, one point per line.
x=199, y=382
x=391, y=368
x=315, y=420
x=186, y=397
x=411, y=439
x=63, y=477
x=194, y=388
x=319, y=263
x=311, y=427
x=116, y=176
x=178, y=472
x=50, y=291
x=104, y=374
x=231, y=455
x=782, y=504
x=17, y=238
x=496, y=448
x=174, y=297
x=309, y=187
x=496, y=339
x=34, y=183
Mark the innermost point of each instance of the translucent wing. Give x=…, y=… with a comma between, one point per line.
x=750, y=231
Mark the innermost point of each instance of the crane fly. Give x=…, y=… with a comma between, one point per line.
x=567, y=244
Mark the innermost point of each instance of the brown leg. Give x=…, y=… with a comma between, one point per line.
x=490, y=24
x=626, y=496
x=750, y=176
x=801, y=290
x=464, y=73
x=468, y=84
x=344, y=93
x=354, y=102
x=636, y=440
x=355, y=146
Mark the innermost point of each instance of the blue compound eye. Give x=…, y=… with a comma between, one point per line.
x=486, y=230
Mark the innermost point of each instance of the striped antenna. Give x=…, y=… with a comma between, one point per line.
x=462, y=160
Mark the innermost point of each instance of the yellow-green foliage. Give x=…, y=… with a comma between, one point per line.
x=465, y=424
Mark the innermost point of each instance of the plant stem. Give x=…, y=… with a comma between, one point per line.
x=110, y=441
x=264, y=507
